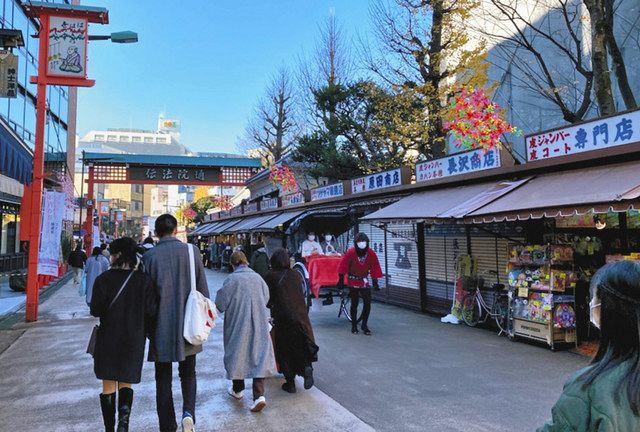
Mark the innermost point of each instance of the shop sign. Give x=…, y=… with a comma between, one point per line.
x=251, y=207
x=224, y=213
x=174, y=175
x=462, y=163
x=103, y=207
x=236, y=211
x=594, y=135
x=8, y=74
x=293, y=199
x=67, y=54
x=377, y=181
x=270, y=203
x=119, y=216
x=330, y=191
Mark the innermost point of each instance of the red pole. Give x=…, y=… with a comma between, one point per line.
x=88, y=223
x=38, y=175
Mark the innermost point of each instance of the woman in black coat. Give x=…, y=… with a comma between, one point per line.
x=295, y=346
x=119, y=350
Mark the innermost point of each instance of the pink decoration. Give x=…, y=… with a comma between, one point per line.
x=284, y=178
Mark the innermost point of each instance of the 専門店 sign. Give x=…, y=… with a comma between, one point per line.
x=330, y=191
x=67, y=54
x=463, y=163
x=377, y=181
x=594, y=135
x=175, y=175
x=270, y=203
x=293, y=199
x=8, y=74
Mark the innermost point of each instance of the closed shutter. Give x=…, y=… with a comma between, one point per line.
x=492, y=254
x=402, y=256
x=376, y=242
x=441, y=255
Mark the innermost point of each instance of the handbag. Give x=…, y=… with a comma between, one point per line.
x=91, y=347
x=199, y=313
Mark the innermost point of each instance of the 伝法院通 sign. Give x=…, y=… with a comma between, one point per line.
x=174, y=175
x=329, y=191
x=594, y=135
x=462, y=163
x=377, y=181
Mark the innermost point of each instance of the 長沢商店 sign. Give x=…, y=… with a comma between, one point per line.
x=462, y=163
x=67, y=54
x=593, y=135
x=377, y=181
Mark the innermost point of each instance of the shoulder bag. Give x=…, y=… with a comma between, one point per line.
x=199, y=314
x=94, y=333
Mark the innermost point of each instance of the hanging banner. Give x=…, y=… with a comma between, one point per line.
x=462, y=163
x=67, y=47
x=96, y=236
x=594, y=135
x=52, y=214
x=8, y=74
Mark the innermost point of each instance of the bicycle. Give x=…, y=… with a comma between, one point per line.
x=475, y=308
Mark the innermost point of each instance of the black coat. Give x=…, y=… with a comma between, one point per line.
x=295, y=345
x=77, y=258
x=119, y=349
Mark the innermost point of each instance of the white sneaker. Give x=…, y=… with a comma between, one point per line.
x=238, y=395
x=259, y=404
x=187, y=424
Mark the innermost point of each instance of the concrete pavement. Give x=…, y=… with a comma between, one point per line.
x=48, y=383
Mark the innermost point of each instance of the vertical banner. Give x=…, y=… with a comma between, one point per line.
x=67, y=47
x=96, y=236
x=52, y=214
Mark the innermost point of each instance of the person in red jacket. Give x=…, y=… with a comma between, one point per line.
x=357, y=264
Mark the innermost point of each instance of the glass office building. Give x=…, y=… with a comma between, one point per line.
x=18, y=126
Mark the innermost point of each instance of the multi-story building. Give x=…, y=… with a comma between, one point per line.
x=18, y=124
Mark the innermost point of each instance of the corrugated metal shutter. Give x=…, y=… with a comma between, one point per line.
x=402, y=255
x=376, y=239
x=441, y=254
x=492, y=254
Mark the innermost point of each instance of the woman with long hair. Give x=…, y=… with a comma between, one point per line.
x=294, y=341
x=126, y=301
x=605, y=396
x=96, y=265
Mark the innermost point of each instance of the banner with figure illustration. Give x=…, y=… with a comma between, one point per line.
x=67, y=47
x=53, y=210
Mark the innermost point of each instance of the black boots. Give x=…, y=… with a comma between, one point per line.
x=354, y=327
x=108, y=406
x=125, y=399
x=365, y=329
x=308, y=377
x=290, y=385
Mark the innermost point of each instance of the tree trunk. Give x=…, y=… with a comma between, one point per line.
x=434, y=105
x=617, y=58
x=599, y=57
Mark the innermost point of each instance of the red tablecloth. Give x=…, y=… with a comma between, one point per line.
x=323, y=271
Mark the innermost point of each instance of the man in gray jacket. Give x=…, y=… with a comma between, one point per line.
x=168, y=265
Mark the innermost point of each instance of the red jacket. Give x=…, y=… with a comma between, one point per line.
x=356, y=272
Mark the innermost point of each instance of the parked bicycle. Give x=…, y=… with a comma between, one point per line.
x=476, y=309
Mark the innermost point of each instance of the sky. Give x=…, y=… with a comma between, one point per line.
x=203, y=62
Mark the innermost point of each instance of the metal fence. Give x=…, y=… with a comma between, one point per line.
x=13, y=262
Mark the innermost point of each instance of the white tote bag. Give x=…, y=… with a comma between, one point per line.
x=199, y=314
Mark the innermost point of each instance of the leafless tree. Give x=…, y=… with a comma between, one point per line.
x=272, y=129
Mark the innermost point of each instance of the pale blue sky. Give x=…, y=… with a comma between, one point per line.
x=204, y=62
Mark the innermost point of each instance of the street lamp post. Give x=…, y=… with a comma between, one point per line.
x=67, y=25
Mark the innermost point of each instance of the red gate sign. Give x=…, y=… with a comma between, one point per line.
x=67, y=56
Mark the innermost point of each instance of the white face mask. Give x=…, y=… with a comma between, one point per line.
x=328, y=238
x=594, y=311
x=311, y=237
x=361, y=245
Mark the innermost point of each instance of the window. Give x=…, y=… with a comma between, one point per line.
x=98, y=137
x=148, y=140
x=161, y=140
x=124, y=138
x=136, y=139
x=112, y=138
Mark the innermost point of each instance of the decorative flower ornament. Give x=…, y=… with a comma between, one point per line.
x=283, y=178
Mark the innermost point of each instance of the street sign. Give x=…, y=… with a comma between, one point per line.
x=8, y=74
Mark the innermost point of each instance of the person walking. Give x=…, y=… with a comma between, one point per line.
x=358, y=264
x=168, y=265
x=96, y=265
x=605, y=396
x=295, y=346
x=260, y=261
x=125, y=300
x=76, y=260
x=248, y=352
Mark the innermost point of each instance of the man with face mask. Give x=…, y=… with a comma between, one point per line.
x=357, y=264
x=311, y=246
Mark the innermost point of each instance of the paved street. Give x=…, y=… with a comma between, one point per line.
x=413, y=374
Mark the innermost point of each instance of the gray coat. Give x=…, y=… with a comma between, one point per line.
x=168, y=266
x=248, y=352
x=94, y=267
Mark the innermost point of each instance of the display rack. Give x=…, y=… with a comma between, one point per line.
x=542, y=301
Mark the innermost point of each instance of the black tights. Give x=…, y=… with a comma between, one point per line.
x=355, y=294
